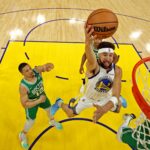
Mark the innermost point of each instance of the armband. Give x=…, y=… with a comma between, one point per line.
x=114, y=100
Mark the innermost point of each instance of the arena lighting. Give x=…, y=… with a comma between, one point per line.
x=40, y=19
x=135, y=35
x=147, y=46
x=72, y=20
x=14, y=34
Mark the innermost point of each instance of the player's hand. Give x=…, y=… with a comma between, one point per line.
x=48, y=67
x=118, y=107
x=98, y=113
x=42, y=98
x=81, y=70
x=89, y=34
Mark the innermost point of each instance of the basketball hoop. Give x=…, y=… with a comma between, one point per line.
x=140, y=99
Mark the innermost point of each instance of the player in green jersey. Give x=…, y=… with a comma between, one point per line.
x=137, y=138
x=33, y=96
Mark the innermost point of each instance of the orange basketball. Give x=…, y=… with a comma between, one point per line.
x=104, y=22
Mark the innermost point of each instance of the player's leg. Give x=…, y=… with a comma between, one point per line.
x=73, y=110
x=60, y=104
x=117, y=105
x=82, y=104
x=55, y=107
x=104, y=105
x=46, y=106
x=103, y=102
x=30, y=115
x=52, y=121
x=127, y=118
x=124, y=133
x=23, y=134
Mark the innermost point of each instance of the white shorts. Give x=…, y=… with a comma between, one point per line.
x=87, y=103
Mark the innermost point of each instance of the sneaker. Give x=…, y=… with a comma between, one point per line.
x=23, y=140
x=54, y=108
x=123, y=102
x=56, y=124
x=71, y=102
x=127, y=115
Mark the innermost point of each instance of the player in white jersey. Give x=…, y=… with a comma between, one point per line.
x=94, y=45
x=104, y=81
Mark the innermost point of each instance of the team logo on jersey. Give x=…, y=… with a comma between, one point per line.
x=39, y=89
x=104, y=84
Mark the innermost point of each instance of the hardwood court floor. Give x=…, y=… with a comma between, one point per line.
x=49, y=20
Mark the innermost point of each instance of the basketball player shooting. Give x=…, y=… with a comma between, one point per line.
x=104, y=81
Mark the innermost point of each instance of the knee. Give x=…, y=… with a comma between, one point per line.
x=70, y=115
x=30, y=122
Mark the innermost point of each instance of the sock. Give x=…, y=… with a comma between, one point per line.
x=52, y=121
x=125, y=124
x=23, y=135
x=127, y=121
x=23, y=138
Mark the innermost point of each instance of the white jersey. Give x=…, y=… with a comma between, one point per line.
x=99, y=86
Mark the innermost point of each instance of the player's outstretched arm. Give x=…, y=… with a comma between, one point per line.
x=43, y=68
x=81, y=70
x=91, y=58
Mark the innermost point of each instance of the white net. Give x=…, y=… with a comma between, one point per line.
x=142, y=133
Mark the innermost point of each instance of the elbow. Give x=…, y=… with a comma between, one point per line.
x=118, y=71
x=24, y=105
x=91, y=65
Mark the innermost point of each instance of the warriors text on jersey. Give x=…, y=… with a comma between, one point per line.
x=99, y=86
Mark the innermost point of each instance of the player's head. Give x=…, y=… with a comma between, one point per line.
x=25, y=70
x=106, y=54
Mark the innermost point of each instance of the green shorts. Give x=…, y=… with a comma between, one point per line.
x=31, y=112
x=127, y=138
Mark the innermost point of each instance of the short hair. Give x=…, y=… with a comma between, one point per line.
x=106, y=45
x=21, y=66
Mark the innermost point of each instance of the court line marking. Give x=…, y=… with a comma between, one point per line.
x=66, y=120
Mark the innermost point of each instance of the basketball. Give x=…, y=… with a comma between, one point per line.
x=104, y=22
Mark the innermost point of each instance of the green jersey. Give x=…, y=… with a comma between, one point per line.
x=96, y=52
x=36, y=89
x=138, y=138
x=142, y=135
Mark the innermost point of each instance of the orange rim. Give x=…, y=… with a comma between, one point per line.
x=135, y=90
